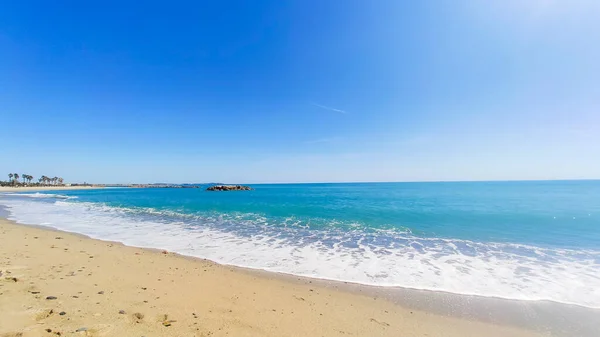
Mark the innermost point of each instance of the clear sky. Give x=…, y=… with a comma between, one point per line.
x=300, y=91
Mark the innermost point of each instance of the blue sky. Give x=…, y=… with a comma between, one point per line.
x=300, y=91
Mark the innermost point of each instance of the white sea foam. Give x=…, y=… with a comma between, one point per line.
x=383, y=258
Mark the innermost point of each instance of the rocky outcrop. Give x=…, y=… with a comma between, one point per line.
x=229, y=188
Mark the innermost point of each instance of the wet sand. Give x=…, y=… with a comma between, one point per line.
x=56, y=282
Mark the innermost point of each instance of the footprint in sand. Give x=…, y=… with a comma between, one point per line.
x=43, y=314
x=33, y=290
x=137, y=317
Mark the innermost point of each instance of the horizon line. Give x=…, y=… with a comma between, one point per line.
x=357, y=182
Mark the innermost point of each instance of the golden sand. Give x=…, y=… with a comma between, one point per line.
x=108, y=289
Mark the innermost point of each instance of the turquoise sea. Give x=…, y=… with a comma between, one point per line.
x=536, y=240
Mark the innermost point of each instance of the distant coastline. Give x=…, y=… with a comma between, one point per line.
x=33, y=188
x=26, y=182
x=48, y=188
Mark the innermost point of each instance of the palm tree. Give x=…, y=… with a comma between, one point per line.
x=16, y=175
x=10, y=176
x=54, y=180
x=60, y=181
x=24, y=177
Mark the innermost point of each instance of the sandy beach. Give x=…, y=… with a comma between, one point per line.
x=46, y=188
x=56, y=283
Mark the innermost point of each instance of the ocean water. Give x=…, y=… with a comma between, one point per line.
x=518, y=240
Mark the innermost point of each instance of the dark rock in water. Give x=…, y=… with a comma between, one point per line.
x=229, y=188
x=62, y=313
x=51, y=297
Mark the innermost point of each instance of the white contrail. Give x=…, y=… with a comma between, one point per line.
x=329, y=108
